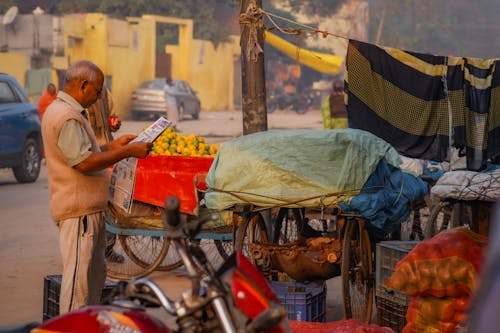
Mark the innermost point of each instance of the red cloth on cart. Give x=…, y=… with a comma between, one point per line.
x=159, y=177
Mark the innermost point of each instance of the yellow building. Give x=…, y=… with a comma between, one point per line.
x=123, y=49
x=215, y=73
x=14, y=64
x=126, y=52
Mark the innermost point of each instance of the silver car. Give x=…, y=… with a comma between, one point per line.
x=148, y=100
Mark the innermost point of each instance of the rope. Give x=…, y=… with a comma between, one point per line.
x=252, y=18
x=291, y=31
x=238, y=195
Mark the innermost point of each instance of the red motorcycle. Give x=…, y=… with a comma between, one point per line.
x=235, y=298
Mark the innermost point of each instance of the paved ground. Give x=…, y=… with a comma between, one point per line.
x=220, y=126
x=29, y=241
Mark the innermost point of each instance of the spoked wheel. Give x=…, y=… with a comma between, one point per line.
x=225, y=248
x=140, y=255
x=216, y=251
x=357, y=272
x=414, y=227
x=445, y=215
x=287, y=225
x=252, y=230
x=170, y=262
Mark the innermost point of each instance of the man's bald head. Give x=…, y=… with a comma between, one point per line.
x=84, y=81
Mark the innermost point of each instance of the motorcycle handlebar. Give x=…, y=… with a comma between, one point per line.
x=175, y=227
x=145, y=286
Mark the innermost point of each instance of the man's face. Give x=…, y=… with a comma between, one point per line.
x=92, y=91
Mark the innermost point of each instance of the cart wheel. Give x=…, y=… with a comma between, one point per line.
x=171, y=261
x=225, y=248
x=141, y=255
x=251, y=230
x=287, y=225
x=146, y=251
x=357, y=272
x=414, y=227
x=444, y=215
x=216, y=251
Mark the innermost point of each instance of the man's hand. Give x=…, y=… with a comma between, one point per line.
x=123, y=148
x=120, y=142
x=139, y=149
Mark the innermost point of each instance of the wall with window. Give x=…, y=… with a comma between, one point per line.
x=123, y=49
x=210, y=71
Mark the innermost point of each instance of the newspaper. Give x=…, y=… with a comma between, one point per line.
x=121, y=188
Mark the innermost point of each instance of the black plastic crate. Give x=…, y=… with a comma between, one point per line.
x=391, y=304
x=52, y=289
x=391, y=309
x=302, y=302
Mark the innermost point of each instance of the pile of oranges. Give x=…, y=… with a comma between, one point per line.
x=170, y=143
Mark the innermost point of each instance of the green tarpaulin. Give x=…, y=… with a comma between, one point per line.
x=294, y=168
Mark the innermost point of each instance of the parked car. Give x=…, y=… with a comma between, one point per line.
x=20, y=133
x=148, y=100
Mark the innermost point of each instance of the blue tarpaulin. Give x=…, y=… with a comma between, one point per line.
x=386, y=197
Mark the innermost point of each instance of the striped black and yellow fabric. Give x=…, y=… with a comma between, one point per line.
x=414, y=100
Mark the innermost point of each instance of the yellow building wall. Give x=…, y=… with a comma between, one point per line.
x=124, y=50
x=15, y=64
x=210, y=71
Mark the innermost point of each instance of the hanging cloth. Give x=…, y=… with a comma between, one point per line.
x=400, y=97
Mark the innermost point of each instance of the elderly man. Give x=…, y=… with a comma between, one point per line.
x=79, y=181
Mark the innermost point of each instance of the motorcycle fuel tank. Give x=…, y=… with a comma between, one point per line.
x=102, y=319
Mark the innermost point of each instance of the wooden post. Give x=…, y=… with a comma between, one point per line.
x=252, y=67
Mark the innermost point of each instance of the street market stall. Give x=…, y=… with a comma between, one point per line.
x=176, y=166
x=348, y=180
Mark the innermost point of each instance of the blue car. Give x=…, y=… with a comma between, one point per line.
x=20, y=133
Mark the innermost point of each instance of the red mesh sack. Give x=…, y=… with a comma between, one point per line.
x=341, y=326
x=432, y=314
x=446, y=265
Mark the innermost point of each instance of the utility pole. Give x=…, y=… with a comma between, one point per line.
x=252, y=67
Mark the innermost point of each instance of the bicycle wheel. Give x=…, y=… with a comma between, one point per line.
x=414, y=227
x=445, y=215
x=225, y=248
x=141, y=255
x=146, y=251
x=357, y=272
x=251, y=230
x=216, y=251
x=171, y=261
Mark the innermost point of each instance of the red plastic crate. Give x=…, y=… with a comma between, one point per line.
x=159, y=177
